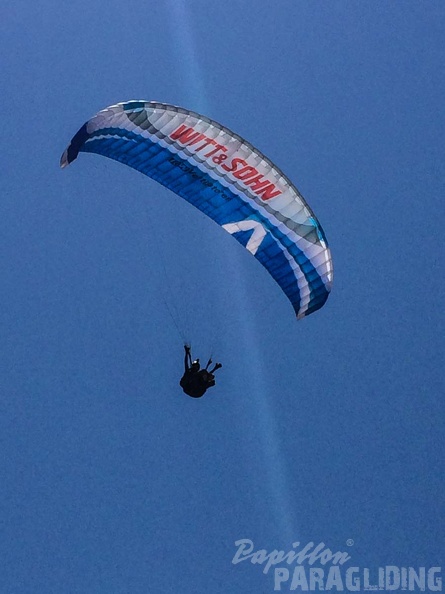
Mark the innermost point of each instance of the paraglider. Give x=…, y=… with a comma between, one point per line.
x=231, y=182
x=196, y=381
x=226, y=178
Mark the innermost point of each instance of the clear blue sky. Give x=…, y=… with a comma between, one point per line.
x=111, y=480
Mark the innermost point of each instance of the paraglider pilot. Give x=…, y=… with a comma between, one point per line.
x=195, y=380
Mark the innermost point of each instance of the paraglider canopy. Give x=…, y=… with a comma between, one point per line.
x=226, y=178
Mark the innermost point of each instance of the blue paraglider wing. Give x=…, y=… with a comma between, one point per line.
x=227, y=179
